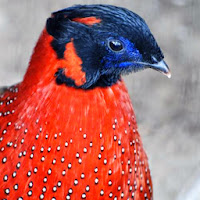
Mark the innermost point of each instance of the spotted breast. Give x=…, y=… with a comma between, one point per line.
x=68, y=130
x=85, y=147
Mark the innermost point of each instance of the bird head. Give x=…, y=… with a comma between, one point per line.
x=95, y=44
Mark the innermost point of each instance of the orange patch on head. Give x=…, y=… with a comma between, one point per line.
x=72, y=65
x=87, y=20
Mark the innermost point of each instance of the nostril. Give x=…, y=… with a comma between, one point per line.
x=154, y=60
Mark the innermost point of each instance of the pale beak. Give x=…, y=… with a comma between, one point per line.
x=160, y=66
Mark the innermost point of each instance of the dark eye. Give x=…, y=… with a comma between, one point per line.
x=115, y=45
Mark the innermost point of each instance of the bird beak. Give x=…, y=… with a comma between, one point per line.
x=161, y=67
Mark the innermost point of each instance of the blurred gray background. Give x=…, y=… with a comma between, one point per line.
x=167, y=110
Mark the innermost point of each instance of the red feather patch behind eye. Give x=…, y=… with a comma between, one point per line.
x=90, y=21
x=72, y=64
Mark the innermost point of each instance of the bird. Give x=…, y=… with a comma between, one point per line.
x=68, y=130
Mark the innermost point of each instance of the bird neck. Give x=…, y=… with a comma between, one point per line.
x=45, y=64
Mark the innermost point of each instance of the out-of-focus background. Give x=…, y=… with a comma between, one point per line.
x=167, y=110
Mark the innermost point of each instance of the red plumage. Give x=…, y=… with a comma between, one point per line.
x=59, y=142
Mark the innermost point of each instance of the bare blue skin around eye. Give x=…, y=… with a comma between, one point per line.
x=123, y=59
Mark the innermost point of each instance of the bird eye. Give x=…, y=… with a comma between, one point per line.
x=116, y=45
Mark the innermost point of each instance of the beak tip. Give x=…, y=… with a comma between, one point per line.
x=169, y=75
x=163, y=68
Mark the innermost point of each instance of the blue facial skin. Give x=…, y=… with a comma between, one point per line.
x=103, y=64
x=124, y=60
